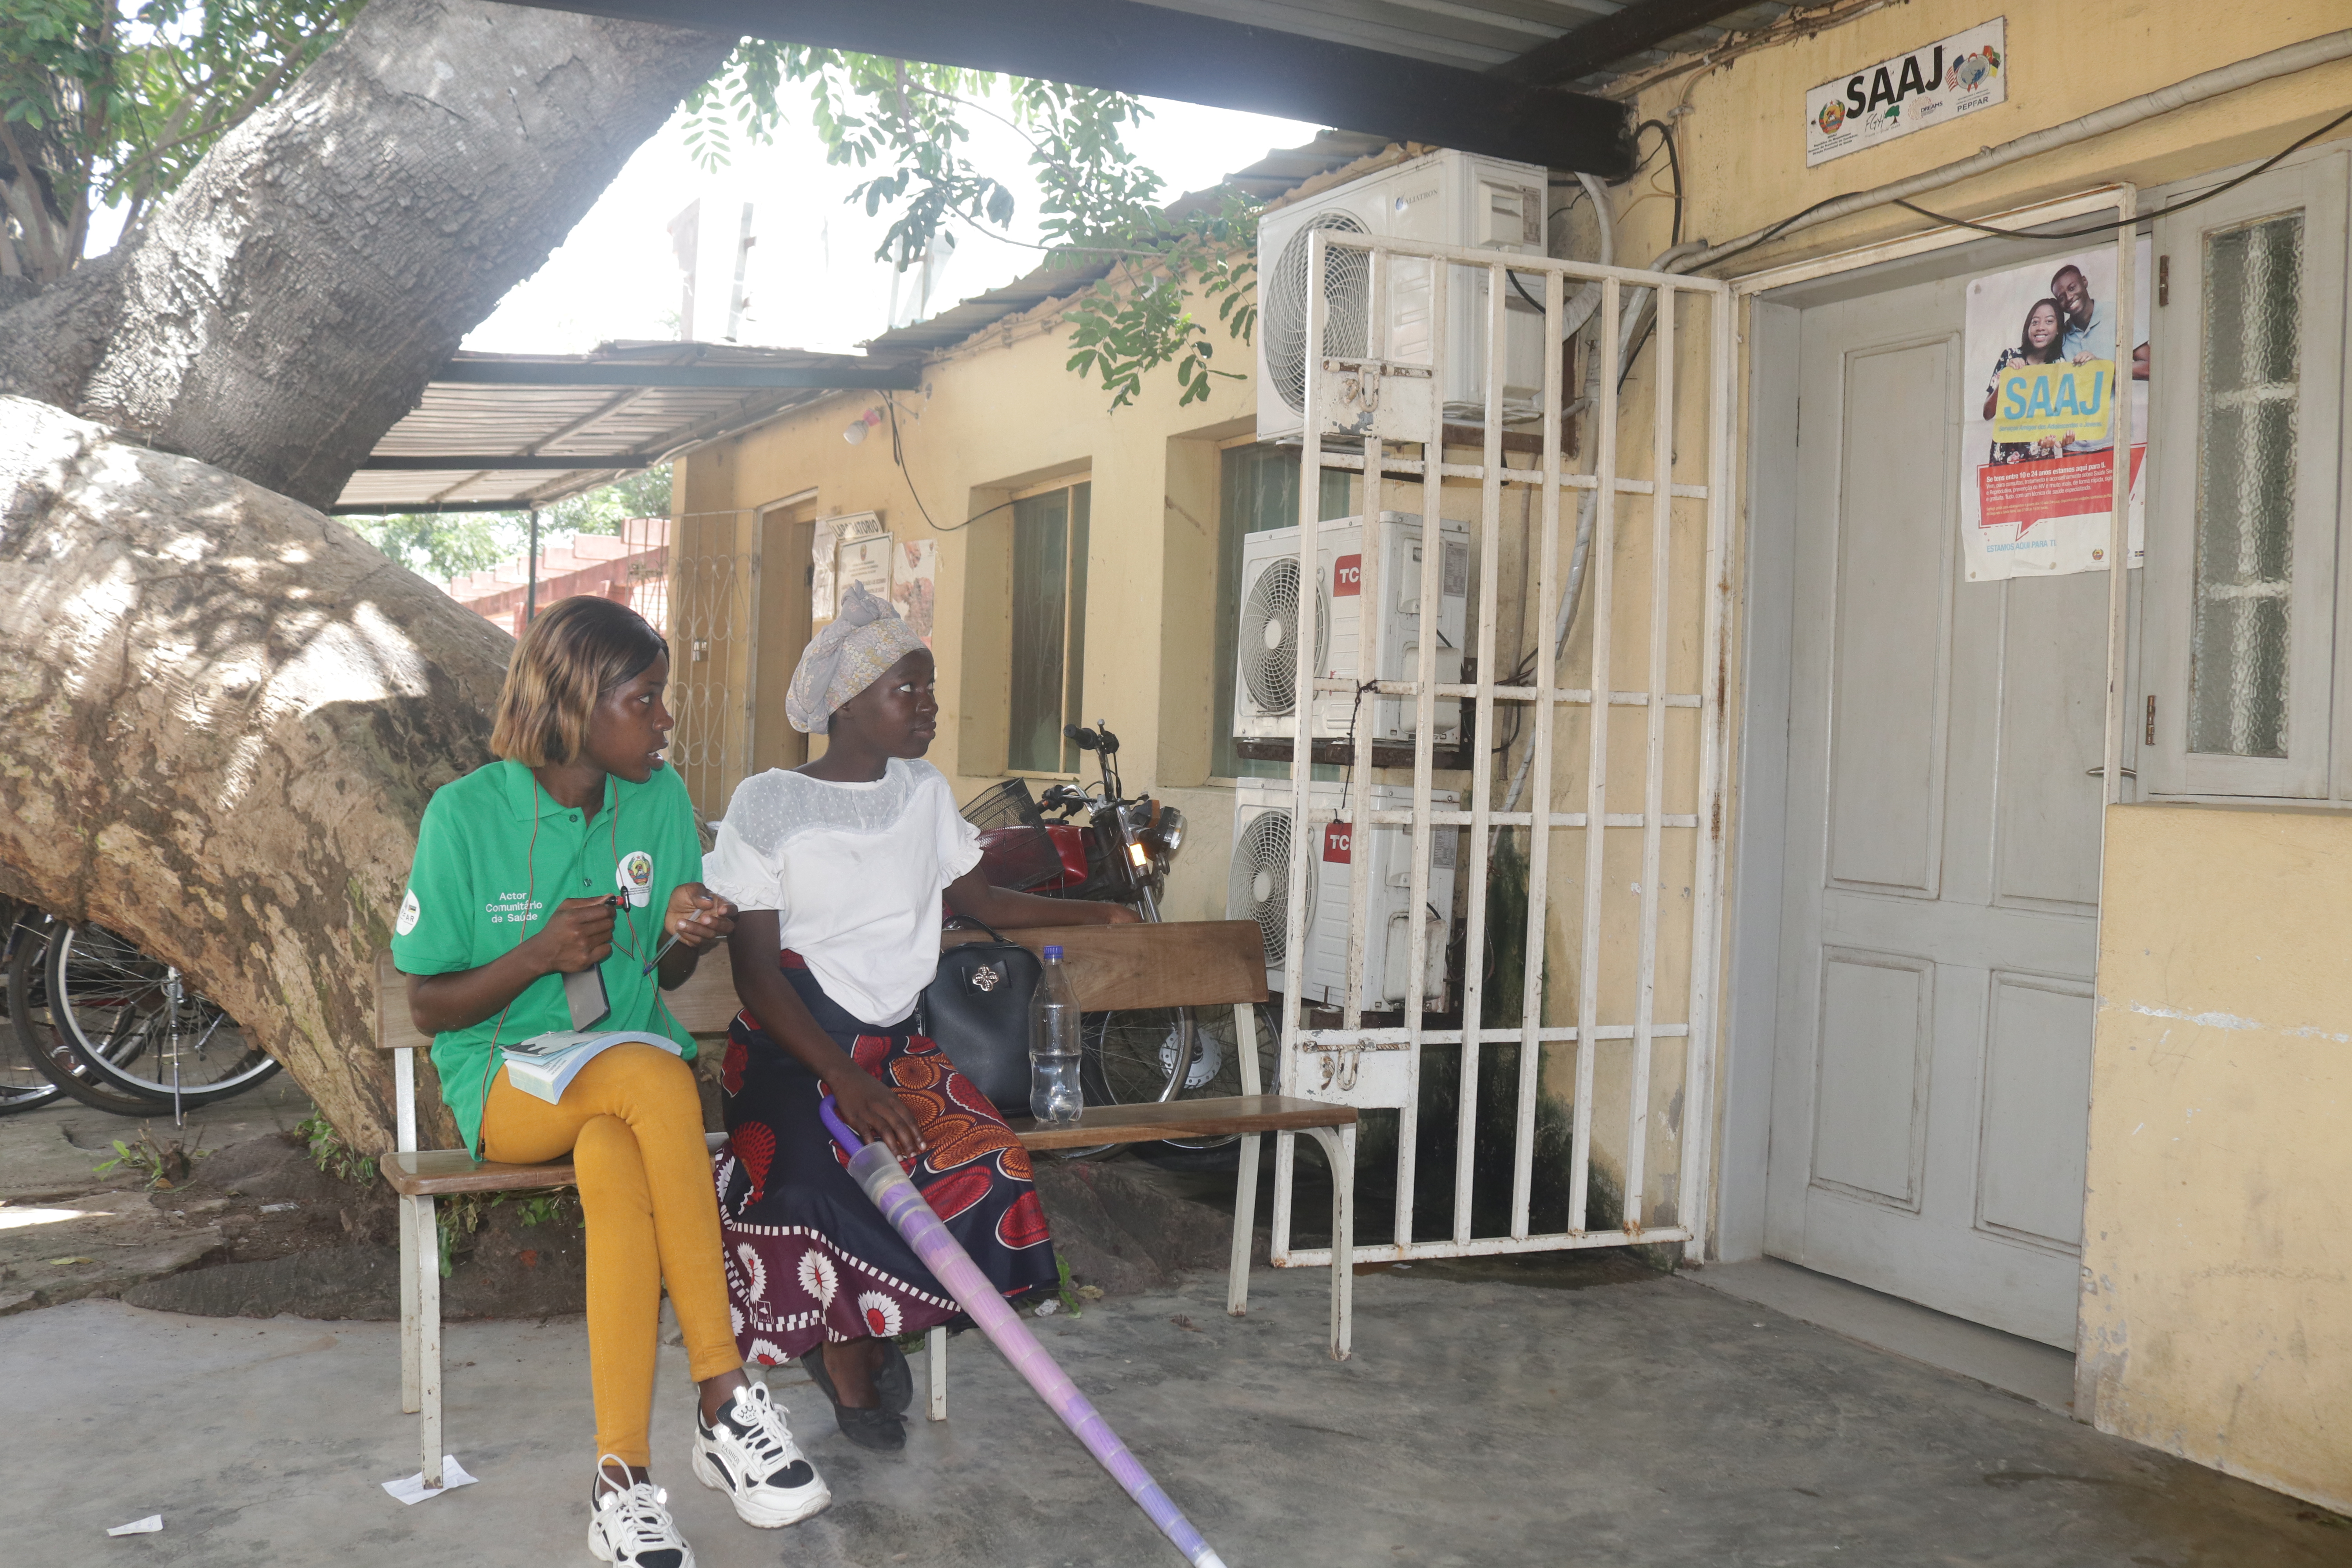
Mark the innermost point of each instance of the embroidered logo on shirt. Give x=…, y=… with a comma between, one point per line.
x=635, y=876
x=410, y=913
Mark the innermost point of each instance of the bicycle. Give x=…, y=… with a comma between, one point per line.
x=139, y=1026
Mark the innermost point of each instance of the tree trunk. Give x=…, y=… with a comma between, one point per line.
x=220, y=714
x=285, y=307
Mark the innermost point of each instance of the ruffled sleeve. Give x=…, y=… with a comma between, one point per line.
x=958, y=840
x=745, y=866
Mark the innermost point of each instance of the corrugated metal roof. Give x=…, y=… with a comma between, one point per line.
x=551, y=421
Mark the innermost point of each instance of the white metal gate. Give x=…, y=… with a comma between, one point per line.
x=1650, y=804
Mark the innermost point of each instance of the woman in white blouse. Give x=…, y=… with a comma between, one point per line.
x=839, y=869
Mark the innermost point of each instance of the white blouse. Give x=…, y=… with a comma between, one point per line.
x=854, y=873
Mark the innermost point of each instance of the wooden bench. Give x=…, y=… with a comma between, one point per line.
x=1202, y=964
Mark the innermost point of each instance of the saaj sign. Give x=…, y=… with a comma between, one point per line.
x=1937, y=82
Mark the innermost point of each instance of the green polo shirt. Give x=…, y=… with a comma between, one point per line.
x=494, y=856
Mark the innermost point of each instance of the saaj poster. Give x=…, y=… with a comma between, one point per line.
x=2044, y=375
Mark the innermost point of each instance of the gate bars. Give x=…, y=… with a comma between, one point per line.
x=1389, y=402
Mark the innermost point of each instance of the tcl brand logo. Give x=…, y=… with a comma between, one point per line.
x=1339, y=842
x=1348, y=577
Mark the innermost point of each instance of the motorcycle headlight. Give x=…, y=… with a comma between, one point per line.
x=1168, y=833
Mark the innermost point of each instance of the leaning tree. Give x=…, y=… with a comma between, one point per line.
x=222, y=712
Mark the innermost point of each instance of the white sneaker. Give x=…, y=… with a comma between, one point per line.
x=631, y=1526
x=748, y=1453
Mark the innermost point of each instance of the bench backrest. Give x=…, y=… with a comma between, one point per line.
x=1190, y=963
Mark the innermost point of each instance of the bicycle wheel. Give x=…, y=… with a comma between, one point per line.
x=22, y=1085
x=139, y=1028
x=44, y=1047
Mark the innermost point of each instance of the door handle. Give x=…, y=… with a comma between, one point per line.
x=2100, y=773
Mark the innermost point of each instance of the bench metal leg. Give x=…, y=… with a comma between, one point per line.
x=408, y=1376
x=935, y=1361
x=426, y=1275
x=1339, y=1149
x=1244, y=1224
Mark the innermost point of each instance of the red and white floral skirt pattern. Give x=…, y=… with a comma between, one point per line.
x=809, y=1257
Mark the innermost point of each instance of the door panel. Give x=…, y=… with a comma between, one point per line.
x=2046, y=826
x=2030, y=1165
x=1888, y=731
x=1873, y=1093
x=1937, y=924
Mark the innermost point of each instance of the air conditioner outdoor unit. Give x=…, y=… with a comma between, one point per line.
x=1258, y=888
x=1266, y=663
x=1443, y=198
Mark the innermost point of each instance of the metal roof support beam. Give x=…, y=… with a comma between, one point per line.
x=705, y=378
x=1582, y=50
x=511, y=463
x=1128, y=46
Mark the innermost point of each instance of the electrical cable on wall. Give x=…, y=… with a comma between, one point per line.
x=2229, y=185
x=898, y=456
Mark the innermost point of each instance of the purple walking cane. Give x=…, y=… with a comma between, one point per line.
x=904, y=1207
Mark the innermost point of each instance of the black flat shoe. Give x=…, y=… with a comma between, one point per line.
x=883, y=1431
x=895, y=1380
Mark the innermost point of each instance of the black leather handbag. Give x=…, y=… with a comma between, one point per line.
x=977, y=1008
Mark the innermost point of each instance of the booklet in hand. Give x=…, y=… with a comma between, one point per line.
x=546, y=1064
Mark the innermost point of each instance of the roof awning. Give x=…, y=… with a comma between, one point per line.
x=1483, y=76
x=509, y=432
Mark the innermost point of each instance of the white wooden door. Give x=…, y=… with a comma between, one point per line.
x=1932, y=1069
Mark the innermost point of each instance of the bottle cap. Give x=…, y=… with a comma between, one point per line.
x=1053, y=952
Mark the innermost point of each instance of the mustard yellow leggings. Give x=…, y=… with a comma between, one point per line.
x=632, y=1125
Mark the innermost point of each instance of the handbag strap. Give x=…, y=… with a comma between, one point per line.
x=953, y=920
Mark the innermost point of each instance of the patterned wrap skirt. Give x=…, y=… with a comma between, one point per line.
x=809, y=1257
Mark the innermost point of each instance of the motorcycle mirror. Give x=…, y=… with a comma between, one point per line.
x=1087, y=739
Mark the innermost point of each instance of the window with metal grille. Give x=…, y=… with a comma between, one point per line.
x=1049, y=628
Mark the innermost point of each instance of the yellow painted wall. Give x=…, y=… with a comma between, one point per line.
x=2216, y=1298
x=997, y=416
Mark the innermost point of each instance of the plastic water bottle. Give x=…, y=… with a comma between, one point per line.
x=1055, y=1098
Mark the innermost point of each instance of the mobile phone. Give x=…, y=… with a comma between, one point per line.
x=584, y=994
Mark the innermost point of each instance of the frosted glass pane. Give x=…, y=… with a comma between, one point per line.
x=2249, y=393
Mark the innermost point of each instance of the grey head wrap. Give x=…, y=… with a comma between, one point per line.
x=847, y=657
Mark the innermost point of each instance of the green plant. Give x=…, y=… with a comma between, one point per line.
x=545, y=1208
x=163, y=1166
x=104, y=103
x=1099, y=211
x=332, y=1155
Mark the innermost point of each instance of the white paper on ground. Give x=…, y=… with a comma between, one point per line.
x=412, y=1490
x=148, y=1526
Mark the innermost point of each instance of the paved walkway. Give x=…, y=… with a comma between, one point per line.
x=1636, y=1422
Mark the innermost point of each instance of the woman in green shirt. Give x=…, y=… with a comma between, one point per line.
x=574, y=854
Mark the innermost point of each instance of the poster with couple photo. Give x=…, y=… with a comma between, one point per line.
x=2045, y=374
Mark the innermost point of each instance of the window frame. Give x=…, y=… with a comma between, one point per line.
x=2317, y=768
x=1077, y=550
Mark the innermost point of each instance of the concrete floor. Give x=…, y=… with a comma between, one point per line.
x=1567, y=1411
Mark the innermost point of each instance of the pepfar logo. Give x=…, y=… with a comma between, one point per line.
x=1348, y=577
x=1339, y=842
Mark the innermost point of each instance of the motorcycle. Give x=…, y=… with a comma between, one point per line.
x=1098, y=843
